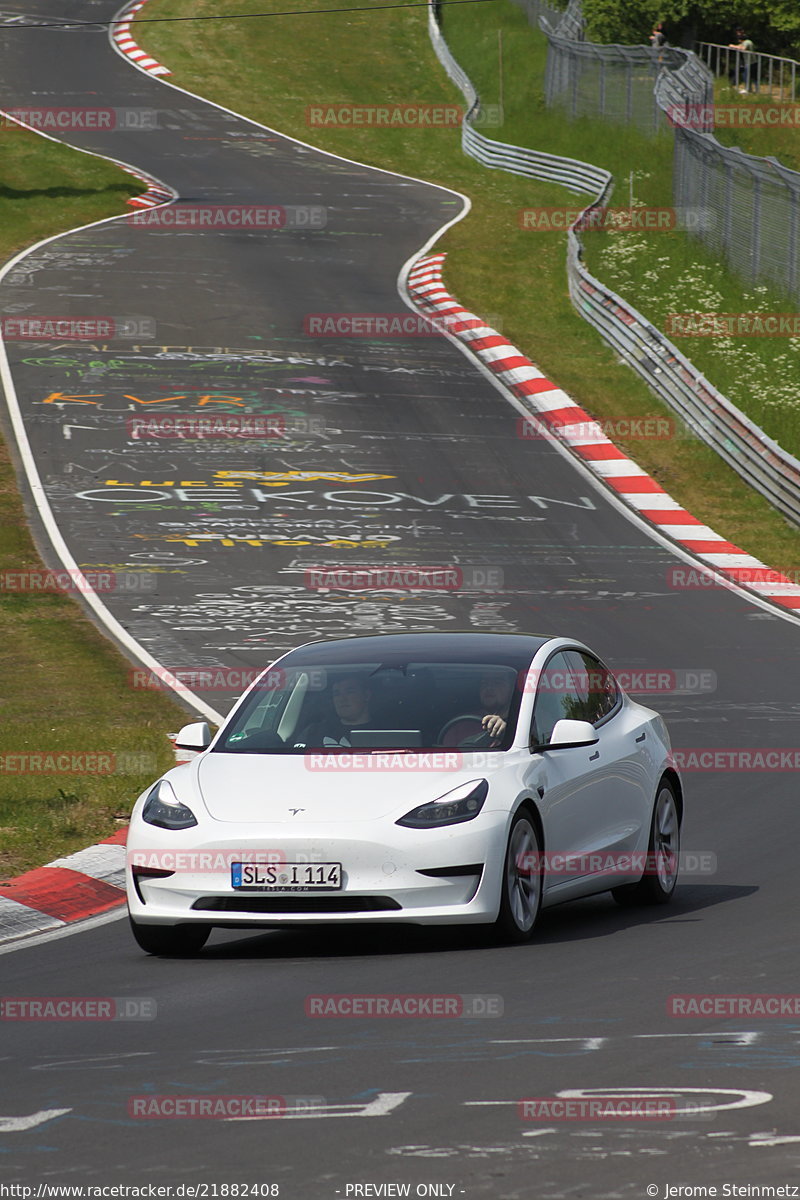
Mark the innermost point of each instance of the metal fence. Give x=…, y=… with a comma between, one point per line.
x=615, y=82
x=754, y=202
x=764, y=74
x=759, y=460
x=569, y=172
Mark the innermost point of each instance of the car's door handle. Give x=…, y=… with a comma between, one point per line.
x=592, y=757
x=641, y=737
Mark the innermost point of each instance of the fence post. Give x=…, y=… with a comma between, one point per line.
x=727, y=225
x=792, y=263
x=629, y=94
x=755, y=235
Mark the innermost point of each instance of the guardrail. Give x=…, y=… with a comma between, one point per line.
x=759, y=460
x=518, y=160
x=757, y=72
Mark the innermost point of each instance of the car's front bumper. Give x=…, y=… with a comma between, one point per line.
x=380, y=883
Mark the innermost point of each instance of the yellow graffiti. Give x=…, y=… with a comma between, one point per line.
x=203, y=539
x=281, y=478
x=184, y=483
x=237, y=479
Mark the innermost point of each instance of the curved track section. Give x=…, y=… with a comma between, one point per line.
x=392, y=452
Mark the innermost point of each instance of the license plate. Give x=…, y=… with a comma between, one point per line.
x=287, y=877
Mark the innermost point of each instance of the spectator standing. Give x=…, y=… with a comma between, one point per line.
x=744, y=58
x=657, y=39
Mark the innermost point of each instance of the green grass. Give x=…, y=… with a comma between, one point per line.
x=46, y=187
x=65, y=688
x=660, y=273
x=781, y=141
x=268, y=69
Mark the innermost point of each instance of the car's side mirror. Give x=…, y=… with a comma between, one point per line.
x=567, y=735
x=196, y=736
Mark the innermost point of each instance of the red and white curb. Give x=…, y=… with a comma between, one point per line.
x=84, y=884
x=121, y=35
x=567, y=421
x=156, y=193
x=68, y=889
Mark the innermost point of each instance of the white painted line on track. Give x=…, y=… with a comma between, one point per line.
x=21, y=1124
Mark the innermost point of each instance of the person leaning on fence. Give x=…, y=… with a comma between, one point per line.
x=743, y=61
x=657, y=39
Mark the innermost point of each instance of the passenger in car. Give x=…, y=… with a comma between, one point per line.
x=351, y=698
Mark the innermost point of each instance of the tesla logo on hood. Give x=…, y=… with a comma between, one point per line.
x=295, y=811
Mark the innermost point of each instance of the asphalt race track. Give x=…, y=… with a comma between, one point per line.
x=394, y=451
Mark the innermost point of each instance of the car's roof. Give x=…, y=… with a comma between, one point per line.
x=514, y=649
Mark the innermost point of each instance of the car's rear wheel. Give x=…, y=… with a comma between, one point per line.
x=171, y=941
x=661, y=872
x=521, y=894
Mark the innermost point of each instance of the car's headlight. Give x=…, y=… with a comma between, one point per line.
x=163, y=808
x=462, y=804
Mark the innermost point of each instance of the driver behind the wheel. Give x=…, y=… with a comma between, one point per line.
x=496, y=690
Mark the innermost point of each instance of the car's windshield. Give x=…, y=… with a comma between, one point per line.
x=369, y=706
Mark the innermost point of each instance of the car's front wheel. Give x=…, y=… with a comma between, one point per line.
x=521, y=894
x=171, y=941
x=663, y=851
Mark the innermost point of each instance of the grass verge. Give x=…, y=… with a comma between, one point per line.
x=65, y=687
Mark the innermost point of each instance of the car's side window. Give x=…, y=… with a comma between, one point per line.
x=596, y=685
x=557, y=697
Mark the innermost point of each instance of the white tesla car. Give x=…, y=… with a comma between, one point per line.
x=425, y=778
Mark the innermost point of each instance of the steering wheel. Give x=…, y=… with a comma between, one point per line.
x=474, y=720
